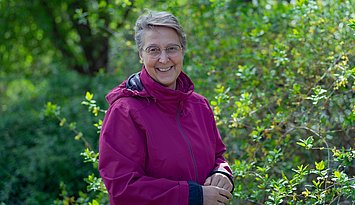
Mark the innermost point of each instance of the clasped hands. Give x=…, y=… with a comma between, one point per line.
x=216, y=190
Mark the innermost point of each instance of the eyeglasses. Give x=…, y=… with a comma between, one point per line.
x=155, y=51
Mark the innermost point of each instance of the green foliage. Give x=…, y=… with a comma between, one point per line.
x=36, y=156
x=97, y=193
x=287, y=81
x=308, y=143
x=280, y=77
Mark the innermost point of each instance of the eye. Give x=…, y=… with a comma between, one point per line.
x=153, y=50
x=172, y=49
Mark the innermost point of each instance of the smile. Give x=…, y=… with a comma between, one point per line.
x=165, y=69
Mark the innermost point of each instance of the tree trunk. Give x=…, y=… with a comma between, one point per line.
x=94, y=46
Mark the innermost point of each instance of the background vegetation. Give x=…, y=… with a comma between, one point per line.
x=280, y=76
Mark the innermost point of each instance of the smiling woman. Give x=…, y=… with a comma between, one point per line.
x=159, y=142
x=163, y=57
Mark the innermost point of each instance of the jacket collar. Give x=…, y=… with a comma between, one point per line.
x=142, y=85
x=184, y=88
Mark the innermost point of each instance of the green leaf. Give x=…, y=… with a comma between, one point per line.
x=89, y=96
x=62, y=122
x=301, y=144
x=78, y=136
x=316, y=183
x=51, y=109
x=337, y=174
x=320, y=165
x=213, y=103
x=352, y=24
x=94, y=202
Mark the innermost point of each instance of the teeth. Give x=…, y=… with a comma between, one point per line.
x=164, y=69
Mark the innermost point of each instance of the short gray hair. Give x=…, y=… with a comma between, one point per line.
x=153, y=19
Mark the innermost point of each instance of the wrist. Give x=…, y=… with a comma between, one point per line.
x=225, y=173
x=195, y=193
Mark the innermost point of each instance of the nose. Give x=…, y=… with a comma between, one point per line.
x=163, y=58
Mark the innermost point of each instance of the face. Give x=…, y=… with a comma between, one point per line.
x=164, y=68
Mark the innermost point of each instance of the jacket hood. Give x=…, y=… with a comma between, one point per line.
x=142, y=85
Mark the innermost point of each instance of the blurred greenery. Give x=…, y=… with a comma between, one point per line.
x=280, y=77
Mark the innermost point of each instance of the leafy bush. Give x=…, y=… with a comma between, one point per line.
x=97, y=193
x=284, y=96
x=279, y=75
x=284, y=99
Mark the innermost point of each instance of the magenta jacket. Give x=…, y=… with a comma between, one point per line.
x=157, y=145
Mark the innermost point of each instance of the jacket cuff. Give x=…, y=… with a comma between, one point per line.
x=195, y=193
x=226, y=173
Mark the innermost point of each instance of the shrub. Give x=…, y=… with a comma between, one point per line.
x=283, y=81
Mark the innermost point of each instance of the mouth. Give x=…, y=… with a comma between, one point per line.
x=165, y=69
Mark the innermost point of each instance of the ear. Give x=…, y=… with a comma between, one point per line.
x=140, y=57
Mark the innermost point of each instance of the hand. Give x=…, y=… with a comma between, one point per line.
x=213, y=195
x=219, y=180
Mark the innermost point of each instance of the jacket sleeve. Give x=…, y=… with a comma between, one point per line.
x=122, y=158
x=221, y=165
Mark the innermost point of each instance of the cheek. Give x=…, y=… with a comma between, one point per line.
x=148, y=62
x=180, y=61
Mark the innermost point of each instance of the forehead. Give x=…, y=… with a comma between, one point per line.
x=160, y=36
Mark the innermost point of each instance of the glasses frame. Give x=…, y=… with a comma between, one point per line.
x=156, y=56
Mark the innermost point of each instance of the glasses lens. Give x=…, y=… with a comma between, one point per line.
x=172, y=50
x=155, y=52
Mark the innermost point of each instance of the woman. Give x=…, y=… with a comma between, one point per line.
x=159, y=142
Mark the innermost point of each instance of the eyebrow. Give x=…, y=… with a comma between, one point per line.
x=156, y=45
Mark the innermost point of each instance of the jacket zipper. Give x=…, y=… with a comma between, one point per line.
x=187, y=142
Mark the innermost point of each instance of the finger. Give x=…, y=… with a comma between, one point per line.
x=227, y=187
x=208, y=181
x=225, y=193
x=215, y=180
x=222, y=199
x=222, y=182
x=228, y=195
